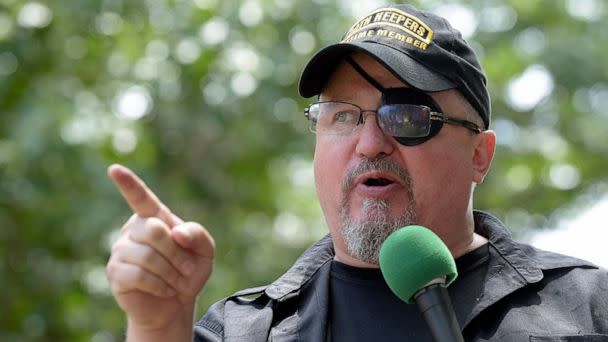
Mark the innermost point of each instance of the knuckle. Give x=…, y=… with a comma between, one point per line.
x=148, y=256
x=117, y=247
x=111, y=270
x=139, y=276
x=129, y=224
x=115, y=273
x=155, y=229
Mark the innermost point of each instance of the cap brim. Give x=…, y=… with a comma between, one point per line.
x=321, y=66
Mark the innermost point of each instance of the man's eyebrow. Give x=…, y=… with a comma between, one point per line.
x=340, y=97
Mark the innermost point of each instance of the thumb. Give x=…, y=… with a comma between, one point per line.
x=194, y=237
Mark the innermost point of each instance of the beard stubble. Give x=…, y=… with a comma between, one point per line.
x=364, y=237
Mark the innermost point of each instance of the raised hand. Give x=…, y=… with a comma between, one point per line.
x=158, y=265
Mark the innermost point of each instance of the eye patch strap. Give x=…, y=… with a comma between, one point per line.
x=365, y=75
x=410, y=96
x=396, y=95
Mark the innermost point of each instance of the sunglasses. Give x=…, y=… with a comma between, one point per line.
x=410, y=124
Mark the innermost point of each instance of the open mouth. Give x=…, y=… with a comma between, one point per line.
x=378, y=182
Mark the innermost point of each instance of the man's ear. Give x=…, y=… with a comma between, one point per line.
x=483, y=153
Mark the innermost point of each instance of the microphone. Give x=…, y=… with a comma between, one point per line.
x=418, y=266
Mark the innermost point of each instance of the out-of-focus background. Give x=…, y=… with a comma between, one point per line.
x=200, y=98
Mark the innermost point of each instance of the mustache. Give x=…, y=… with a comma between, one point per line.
x=382, y=165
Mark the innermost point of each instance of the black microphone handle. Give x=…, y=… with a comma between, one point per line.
x=435, y=306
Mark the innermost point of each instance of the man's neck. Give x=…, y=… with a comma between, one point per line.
x=467, y=246
x=345, y=258
x=457, y=251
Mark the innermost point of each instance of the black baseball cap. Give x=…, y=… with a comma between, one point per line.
x=418, y=47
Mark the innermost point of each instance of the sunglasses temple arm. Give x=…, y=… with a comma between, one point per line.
x=464, y=123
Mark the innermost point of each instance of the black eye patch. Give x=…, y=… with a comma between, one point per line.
x=409, y=96
x=405, y=96
x=417, y=97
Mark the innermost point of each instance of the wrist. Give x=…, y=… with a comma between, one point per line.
x=178, y=329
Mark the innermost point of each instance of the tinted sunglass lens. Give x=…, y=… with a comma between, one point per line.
x=405, y=121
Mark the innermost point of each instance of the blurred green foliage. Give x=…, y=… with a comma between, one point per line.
x=200, y=98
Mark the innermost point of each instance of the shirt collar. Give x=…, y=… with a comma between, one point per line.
x=527, y=262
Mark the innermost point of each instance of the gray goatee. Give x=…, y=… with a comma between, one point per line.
x=364, y=237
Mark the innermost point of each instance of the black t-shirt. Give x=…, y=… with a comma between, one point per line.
x=363, y=308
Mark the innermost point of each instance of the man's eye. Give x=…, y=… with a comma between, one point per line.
x=343, y=116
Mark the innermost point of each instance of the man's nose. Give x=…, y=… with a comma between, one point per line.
x=372, y=141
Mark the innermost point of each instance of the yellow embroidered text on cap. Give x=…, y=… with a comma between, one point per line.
x=409, y=29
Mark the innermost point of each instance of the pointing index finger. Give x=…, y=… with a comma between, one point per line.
x=139, y=197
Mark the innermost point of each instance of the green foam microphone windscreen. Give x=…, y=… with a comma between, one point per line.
x=413, y=256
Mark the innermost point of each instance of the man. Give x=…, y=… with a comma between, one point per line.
x=402, y=137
